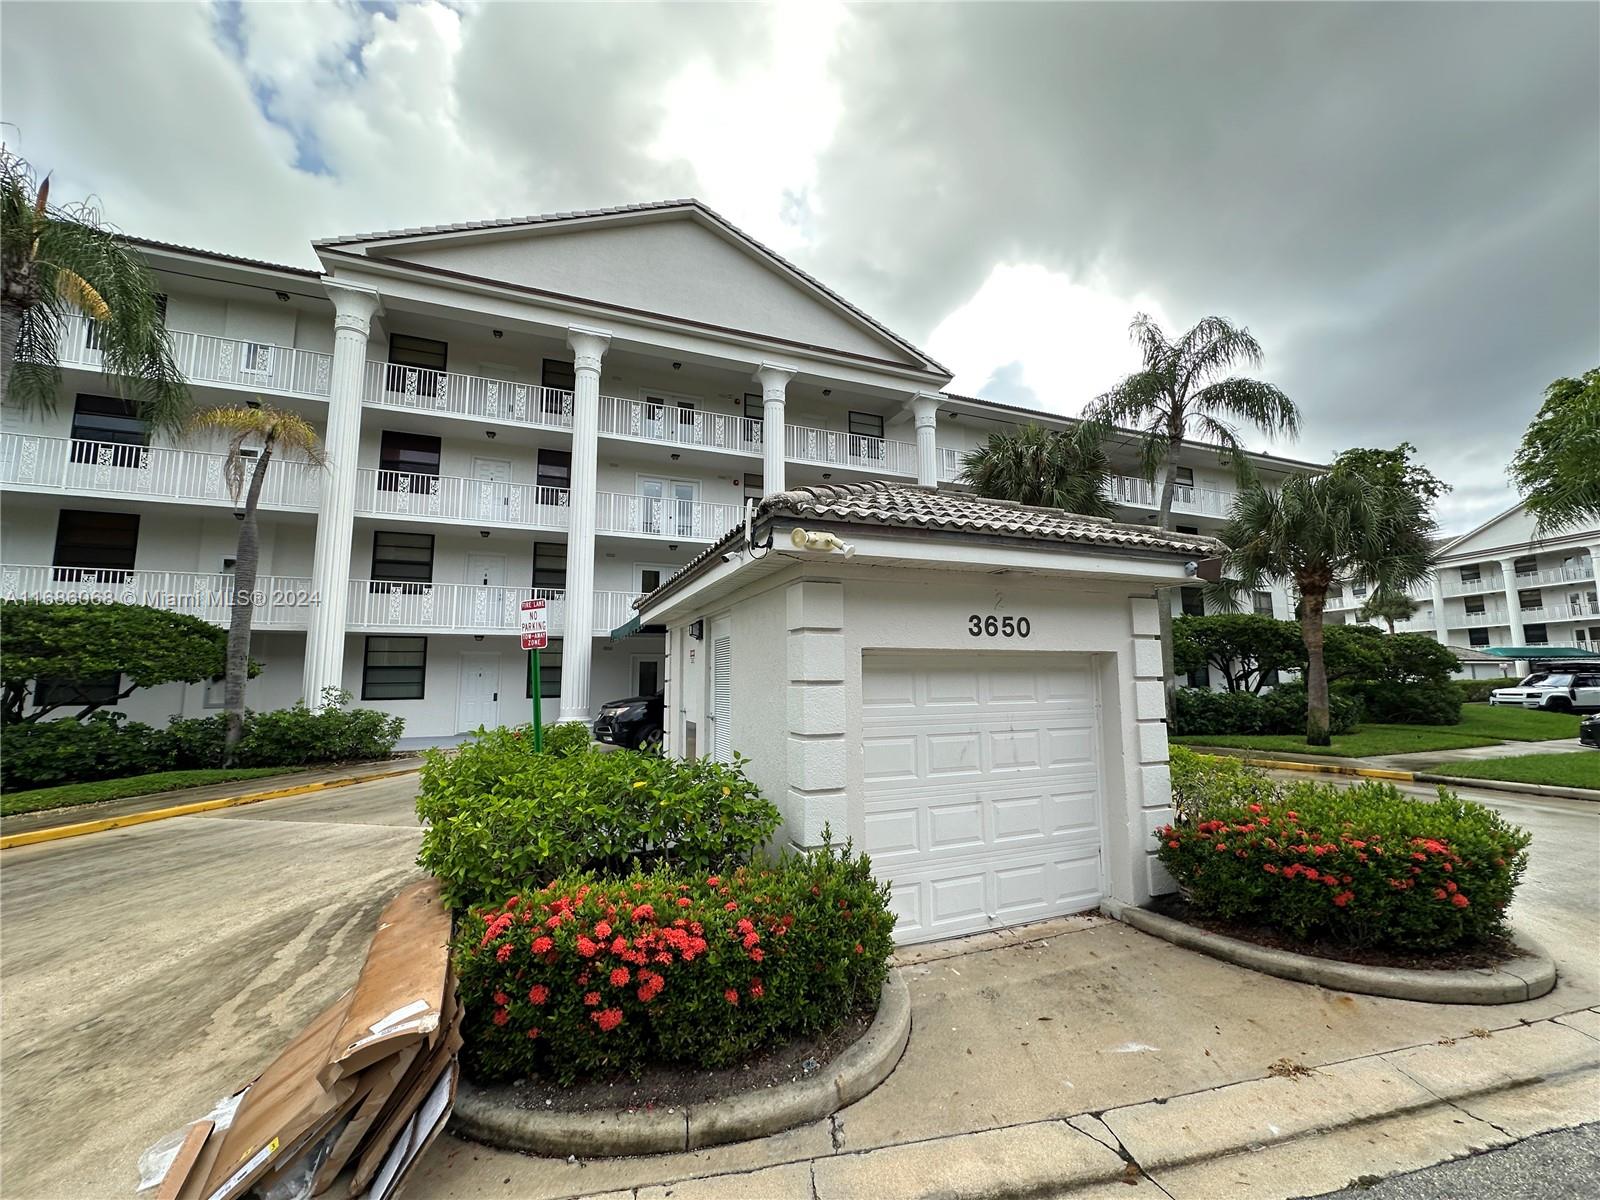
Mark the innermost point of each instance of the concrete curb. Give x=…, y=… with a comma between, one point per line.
x=56, y=833
x=486, y=1115
x=1510, y=983
x=1510, y=785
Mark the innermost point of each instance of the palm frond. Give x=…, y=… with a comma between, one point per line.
x=79, y=292
x=1044, y=468
x=1261, y=404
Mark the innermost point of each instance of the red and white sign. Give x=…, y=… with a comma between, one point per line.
x=535, y=625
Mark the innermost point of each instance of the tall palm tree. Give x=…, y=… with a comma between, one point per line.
x=1388, y=605
x=274, y=430
x=1184, y=390
x=1317, y=530
x=1043, y=467
x=61, y=261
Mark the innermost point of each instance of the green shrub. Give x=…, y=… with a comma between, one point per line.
x=1282, y=710
x=502, y=818
x=289, y=737
x=567, y=738
x=1362, y=865
x=104, y=745
x=589, y=976
x=1476, y=691
x=1418, y=703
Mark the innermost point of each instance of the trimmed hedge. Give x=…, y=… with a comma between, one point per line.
x=504, y=819
x=1363, y=866
x=107, y=745
x=588, y=976
x=1476, y=691
x=1282, y=710
x=1417, y=703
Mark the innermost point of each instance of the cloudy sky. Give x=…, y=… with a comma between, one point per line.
x=1401, y=201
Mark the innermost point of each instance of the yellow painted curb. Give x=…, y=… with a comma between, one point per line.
x=57, y=833
x=1283, y=764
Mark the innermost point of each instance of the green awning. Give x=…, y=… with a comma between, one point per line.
x=1537, y=652
x=633, y=628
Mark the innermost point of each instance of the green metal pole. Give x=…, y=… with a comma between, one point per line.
x=534, y=687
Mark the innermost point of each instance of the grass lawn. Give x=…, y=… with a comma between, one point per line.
x=1563, y=770
x=69, y=794
x=1480, y=725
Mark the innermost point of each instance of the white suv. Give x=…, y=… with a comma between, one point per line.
x=1570, y=691
x=1516, y=695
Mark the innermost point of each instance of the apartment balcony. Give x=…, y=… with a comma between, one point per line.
x=1476, y=620
x=1196, y=501
x=474, y=397
x=1562, y=612
x=663, y=518
x=452, y=498
x=63, y=465
x=223, y=361
x=1525, y=579
x=282, y=601
x=669, y=425
x=380, y=606
x=830, y=448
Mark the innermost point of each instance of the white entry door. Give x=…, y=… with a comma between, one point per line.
x=982, y=788
x=491, y=489
x=671, y=506
x=480, y=692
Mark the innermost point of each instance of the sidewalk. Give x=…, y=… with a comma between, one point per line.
x=1402, y=767
x=240, y=790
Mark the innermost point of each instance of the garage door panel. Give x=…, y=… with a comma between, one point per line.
x=982, y=790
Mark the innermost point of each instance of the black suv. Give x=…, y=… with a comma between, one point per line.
x=634, y=723
x=1589, y=731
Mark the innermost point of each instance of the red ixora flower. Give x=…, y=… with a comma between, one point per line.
x=620, y=977
x=608, y=1019
x=1459, y=900
x=714, y=881
x=731, y=996
x=591, y=999
x=534, y=1032
x=684, y=902
x=643, y=912
x=503, y=953
x=1221, y=846
x=501, y=1016
x=602, y=931
x=757, y=954
x=858, y=948
x=538, y=993
x=756, y=989
x=586, y=947
x=731, y=906
x=542, y=945
x=1344, y=898
x=502, y=999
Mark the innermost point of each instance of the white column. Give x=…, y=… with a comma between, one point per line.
x=924, y=411
x=1437, y=585
x=1508, y=579
x=353, y=310
x=774, y=380
x=577, y=639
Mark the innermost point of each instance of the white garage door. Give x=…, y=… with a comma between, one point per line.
x=982, y=788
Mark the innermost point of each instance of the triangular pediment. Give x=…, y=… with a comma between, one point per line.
x=680, y=261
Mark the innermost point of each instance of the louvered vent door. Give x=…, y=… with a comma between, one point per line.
x=721, y=698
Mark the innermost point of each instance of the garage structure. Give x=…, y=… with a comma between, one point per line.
x=968, y=689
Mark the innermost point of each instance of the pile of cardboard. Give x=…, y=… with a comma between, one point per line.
x=355, y=1099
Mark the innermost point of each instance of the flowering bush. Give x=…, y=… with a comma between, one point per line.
x=1363, y=865
x=504, y=819
x=590, y=975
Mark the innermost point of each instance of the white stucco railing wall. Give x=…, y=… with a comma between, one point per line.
x=391, y=385
x=282, y=601
x=205, y=358
x=452, y=498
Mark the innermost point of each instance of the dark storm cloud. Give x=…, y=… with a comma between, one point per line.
x=1402, y=201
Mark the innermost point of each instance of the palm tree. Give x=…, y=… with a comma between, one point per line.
x=1319, y=529
x=58, y=262
x=1177, y=394
x=1043, y=467
x=275, y=429
x=1388, y=605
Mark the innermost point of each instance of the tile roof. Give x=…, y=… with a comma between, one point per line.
x=152, y=243
x=624, y=210
x=905, y=506
x=897, y=505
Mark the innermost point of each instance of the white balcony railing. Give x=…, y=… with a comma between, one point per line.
x=950, y=464
x=1474, y=620
x=1139, y=493
x=117, y=469
x=830, y=448
x=282, y=601
x=206, y=358
x=391, y=385
x=670, y=425
x=470, y=608
x=657, y=516
x=452, y=498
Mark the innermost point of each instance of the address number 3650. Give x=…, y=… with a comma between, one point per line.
x=999, y=626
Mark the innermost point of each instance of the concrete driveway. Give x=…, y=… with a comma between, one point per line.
x=147, y=971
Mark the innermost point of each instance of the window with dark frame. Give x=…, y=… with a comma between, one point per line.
x=866, y=425
x=1535, y=635
x=1193, y=601
x=1530, y=600
x=98, y=689
x=394, y=668
x=549, y=673
x=553, y=469
x=427, y=355
x=1477, y=637
x=753, y=487
x=755, y=407
x=95, y=547
x=401, y=561
x=558, y=378
x=408, y=462
x=550, y=565
x=1186, y=529
x=1474, y=604
x=108, y=423
x=1183, y=476
x=1528, y=564
x=1471, y=573
x=1262, y=602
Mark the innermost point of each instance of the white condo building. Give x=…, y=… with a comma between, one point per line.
x=567, y=406
x=1503, y=584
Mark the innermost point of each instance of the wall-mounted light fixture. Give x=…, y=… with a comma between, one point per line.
x=477, y=637
x=483, y=533
x=675, y=457
x=827, y=391
x=697, y=631
x=283, y=297
x=490, y=434
x=677, y=366
x=827, y=474
x=498, y=333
